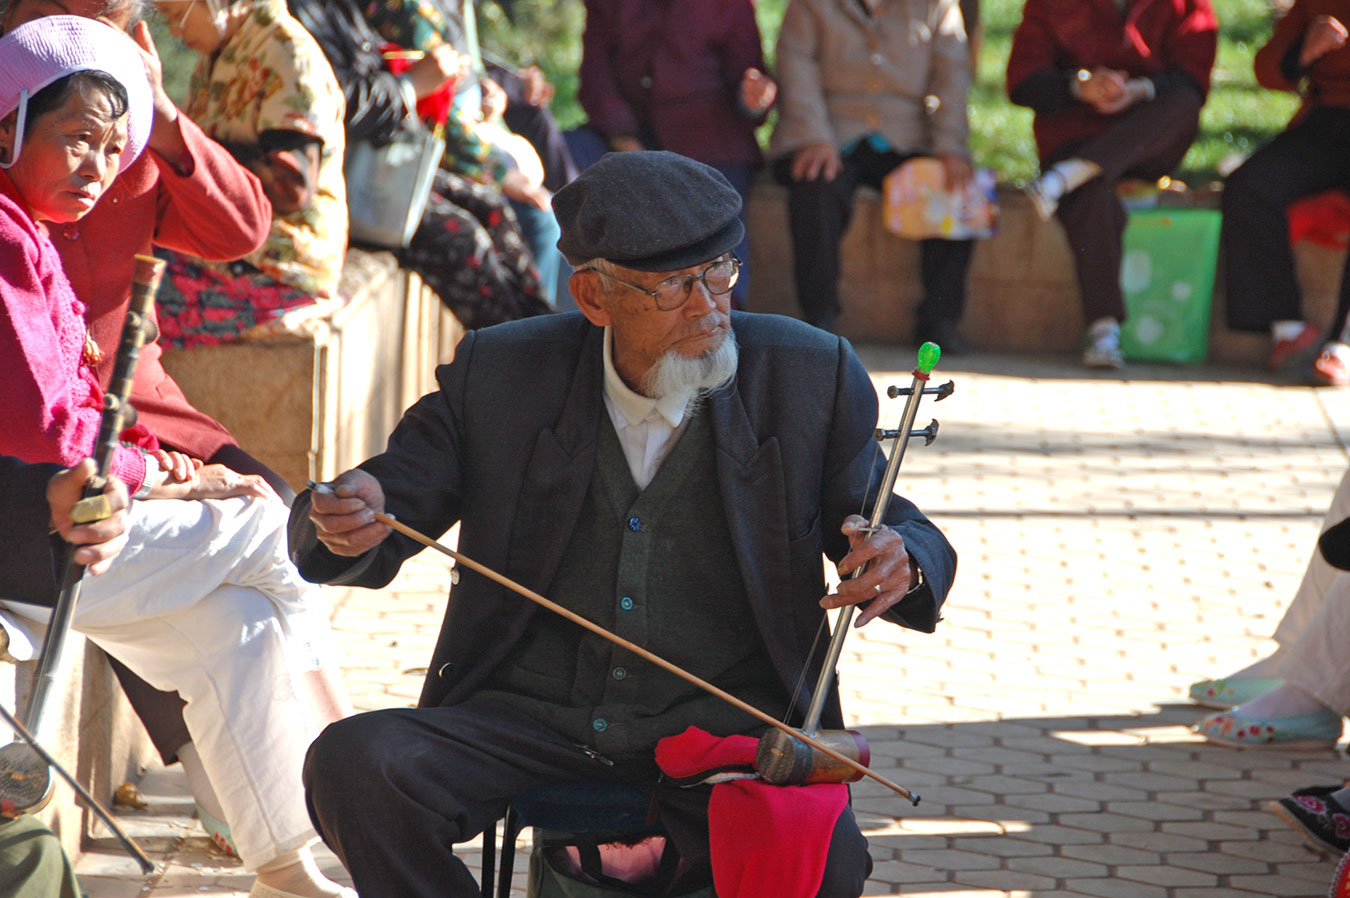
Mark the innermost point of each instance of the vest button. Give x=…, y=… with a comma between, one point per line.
x=626, y=603
x=619, y=673
x=634, y=524
x=599, y=724
x=444, y=670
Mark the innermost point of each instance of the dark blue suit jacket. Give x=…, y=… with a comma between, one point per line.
x=507, y=448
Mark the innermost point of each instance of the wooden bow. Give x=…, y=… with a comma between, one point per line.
x=635, y=649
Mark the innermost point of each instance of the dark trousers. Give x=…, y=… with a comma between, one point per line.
x=1309, y=157
x=819, y=212
x=1147, y=141
x=392, y=792
x=162, y=712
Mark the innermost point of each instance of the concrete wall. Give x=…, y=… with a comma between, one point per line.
x=1023, y=296
x=92, y=731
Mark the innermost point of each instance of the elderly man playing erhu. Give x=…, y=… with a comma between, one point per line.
x=658, y=464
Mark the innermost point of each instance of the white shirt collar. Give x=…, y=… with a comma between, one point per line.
x=633, y=406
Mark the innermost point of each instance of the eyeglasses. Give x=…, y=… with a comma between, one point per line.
x=718, y=279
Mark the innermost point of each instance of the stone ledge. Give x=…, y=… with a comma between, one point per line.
x=1023, y=295
x=94, y=734
x=311, y=407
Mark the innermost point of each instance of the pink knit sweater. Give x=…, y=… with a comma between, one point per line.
x=50, y=401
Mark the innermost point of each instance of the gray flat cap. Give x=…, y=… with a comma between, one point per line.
x=649, y=211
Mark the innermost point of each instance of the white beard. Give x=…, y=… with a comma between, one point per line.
x=674, y=374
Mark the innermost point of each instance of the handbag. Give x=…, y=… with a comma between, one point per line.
x=388, y=185
x=917, y=205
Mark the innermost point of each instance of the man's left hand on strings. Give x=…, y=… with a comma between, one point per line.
x=887, y=565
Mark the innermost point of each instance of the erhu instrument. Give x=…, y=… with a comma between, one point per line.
x=26, y=782
x=828, y=748
x=785, y=757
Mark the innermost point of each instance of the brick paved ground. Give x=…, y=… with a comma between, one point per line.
x=1118, y=540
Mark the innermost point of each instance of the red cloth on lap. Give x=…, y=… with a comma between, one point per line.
x=766, y=841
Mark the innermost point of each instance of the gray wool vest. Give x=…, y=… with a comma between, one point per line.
x=656, y=567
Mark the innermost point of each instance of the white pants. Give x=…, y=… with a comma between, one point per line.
x=1314, y=634
x=204, y=601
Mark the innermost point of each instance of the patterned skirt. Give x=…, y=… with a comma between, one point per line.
x=201, y=304
x=470, y=250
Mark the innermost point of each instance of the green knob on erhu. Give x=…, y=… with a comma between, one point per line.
x=929, y=353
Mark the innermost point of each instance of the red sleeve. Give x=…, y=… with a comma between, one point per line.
x=1033, y=46
x=217, y=211
x=598, y=93
x=52, y=413
x=1269, y=60
x=1191, y=45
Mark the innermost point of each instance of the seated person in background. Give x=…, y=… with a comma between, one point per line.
x=855, y=81
x=469, y=247
x=35, y=504
x=477, y=144
x=1117, y=90
x=202, y=600
x=528, y=96
x=1297, y=696
x=1306, y=53
x=685, y=76
x=186, y=193
x=650, y=411
x=263, y=89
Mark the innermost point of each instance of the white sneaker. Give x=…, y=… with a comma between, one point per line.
x=1103, y=345
x=1044, y=198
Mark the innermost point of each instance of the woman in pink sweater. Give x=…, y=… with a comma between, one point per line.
x=203, y=599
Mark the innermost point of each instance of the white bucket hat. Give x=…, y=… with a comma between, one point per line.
x=39, y=52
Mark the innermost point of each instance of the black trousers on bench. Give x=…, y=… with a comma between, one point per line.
x=1309, y=157
x=819, y=212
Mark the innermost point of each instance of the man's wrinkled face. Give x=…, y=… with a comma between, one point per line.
x=116, y=14
x=643, y=333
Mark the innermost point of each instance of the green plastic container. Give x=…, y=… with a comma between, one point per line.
x=1167, y=275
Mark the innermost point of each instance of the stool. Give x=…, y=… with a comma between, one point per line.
x=577, y=807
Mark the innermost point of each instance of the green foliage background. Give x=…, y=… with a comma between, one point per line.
x=1239, y=116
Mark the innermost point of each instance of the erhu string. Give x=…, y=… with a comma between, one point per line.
x=793, y=702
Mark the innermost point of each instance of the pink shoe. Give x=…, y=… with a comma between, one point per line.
x=1332, y=368
x=1291, y=352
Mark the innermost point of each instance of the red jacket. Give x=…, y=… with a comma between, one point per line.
x=673, y=66
x=1327, y=79
x=217, y=212
x=1170, y=41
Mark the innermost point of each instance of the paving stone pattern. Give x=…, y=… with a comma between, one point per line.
x=1118, y=539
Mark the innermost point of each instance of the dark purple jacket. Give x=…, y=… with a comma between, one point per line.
x=672, y=68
